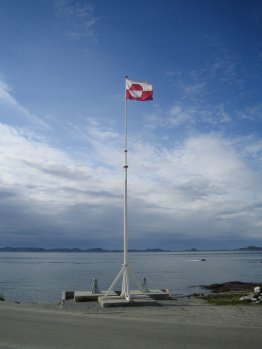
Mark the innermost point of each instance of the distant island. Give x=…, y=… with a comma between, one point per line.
x=96, y=249
x=250, y=248
x=102, y=250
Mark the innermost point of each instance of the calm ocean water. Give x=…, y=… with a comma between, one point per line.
x=41, y=277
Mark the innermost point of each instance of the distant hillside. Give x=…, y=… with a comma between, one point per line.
x=97, y=249
x=38, y=249
x=102, y=250
x=250, y=248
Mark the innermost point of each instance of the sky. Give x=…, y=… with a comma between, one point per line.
x=194, y=152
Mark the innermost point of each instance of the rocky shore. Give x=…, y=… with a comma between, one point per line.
x=234, y=293
x=232, y=286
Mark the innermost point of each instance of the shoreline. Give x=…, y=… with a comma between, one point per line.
x=225, y=289
x=211, y=289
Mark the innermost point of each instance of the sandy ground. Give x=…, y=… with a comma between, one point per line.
x=181, y=323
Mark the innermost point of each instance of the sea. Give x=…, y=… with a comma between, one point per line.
x=41, y=277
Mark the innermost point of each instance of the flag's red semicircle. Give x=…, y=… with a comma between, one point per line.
x=139, y=91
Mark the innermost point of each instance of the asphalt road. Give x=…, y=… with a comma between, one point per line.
x=37, y=328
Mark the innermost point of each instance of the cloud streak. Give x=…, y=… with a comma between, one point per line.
x=16, y=111
x=78, y=20
x=189, y=115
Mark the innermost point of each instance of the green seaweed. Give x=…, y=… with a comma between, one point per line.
x=226, y=299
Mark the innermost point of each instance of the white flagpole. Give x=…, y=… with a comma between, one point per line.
x=125, y=283
x=125, y=192
x=124, y=271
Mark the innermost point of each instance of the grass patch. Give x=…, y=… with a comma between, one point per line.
x=225, y=299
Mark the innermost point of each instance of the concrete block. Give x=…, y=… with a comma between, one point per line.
x=155, y=294
x=67, y=295
x=159, y=294
x=122, y=302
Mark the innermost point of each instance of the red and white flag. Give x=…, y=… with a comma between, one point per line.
x=139, y=91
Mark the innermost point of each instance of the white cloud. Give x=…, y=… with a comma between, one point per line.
x=204, y=163
x=178, y=115
x=202, y=188
x=205, y=176
x=46, y=174
x=78, y=19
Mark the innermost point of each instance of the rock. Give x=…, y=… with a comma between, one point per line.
x=257, y=290
x=245, y=298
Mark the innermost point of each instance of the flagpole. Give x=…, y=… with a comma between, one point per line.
x=125, y=283
x=145, y=95
x=125, y=292
x=125, y=192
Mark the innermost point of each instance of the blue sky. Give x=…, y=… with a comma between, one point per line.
x=194, y=175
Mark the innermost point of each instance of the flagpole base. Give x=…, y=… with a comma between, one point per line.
x=125, y=292
x=125, y=272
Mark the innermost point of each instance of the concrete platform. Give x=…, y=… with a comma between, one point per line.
x=88, y=296
x=118, y=301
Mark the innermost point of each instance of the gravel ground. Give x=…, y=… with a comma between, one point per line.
x=179, y=310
